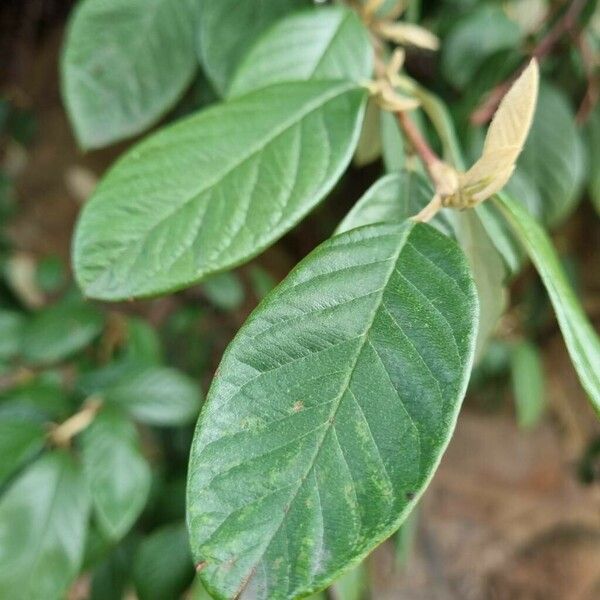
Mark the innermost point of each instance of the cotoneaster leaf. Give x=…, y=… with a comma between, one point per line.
x=330, y=411
x=125, y=63
x=43, y=523
x=319, y=43
x=215, y=189
x=582, y=341
x=228, y=29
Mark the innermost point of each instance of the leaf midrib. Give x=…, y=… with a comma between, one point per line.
x=345, y=386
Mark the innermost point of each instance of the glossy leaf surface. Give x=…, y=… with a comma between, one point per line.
x=320, y=43
x=20, y=440
x=125, y=64
x=215, y=189
x=330, y=411
x=582, y=341
x=43, y=522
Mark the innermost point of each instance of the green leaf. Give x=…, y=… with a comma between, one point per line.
x=477, y=35
x=392, y=144
x=143, y=343
x=404, y=539
x=582, y=341
x=155, y=395
x=125, y=63
x=228, y=28
x=527, y=374
x=553, y=157
x=11, y=327
x=43, y=523
x=330, y=411
x=20, y=440
x=58, y=332
x=592, y=136
x=163, y=565
x=225, y=291
x=394, y=197
x=116, y=471
x=319, y=43
x=215, y=189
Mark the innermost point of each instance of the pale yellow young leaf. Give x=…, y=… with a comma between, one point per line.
x=408, y=34
x=504, y=140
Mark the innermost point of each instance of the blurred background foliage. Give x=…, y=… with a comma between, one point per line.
x=98, y=402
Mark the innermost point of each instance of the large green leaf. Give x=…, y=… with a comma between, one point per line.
x=582, y=341
x=330, y=411
x=125, y=64
x=477, y=35
x=43, y=522
x=215, y=189
x=395, y=197
x=117, y=473
x=320, y=43
x=553, y=157
x=228, y=29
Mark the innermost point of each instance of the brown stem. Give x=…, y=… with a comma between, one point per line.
x=485, y=111
x=61, y=435
x=429, y=158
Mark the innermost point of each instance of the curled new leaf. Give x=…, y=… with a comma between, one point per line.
x=503, y=143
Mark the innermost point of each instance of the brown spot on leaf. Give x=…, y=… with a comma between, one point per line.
x=298, y=406
x=200, y=566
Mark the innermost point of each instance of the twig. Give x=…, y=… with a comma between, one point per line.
x=485, y=111
x=61, y=435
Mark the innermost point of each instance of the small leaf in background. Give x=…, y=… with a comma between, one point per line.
x=330, y=411
x=155, y=395
x=369, y=149
x=225, y=290
x=592, y=136
x=582, y=341
x=143, y=343
x=59, y=331
x=527, y=375
x=553, y=156
x=20, y=440
x=125, y=64
x=392, y=145
x=261, y=281
x=51, y=275
x=481, y=32
x=319, y=43
x=163, y=564
x=352, y=585
x=11, y=328
x=43, y=522
x=260, y=166
x=228, y=28
x=111, y=577
x=395, y=197
x=117, y=473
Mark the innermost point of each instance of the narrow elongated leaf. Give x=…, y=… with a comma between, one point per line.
x=43, y=522
x=582, y=341
x=228, y=29
x=125, y=64
x=116, y=471
x=215, y=189
x=320, y=43
x=553, y=157
x=330, y=411
x=395, y=197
